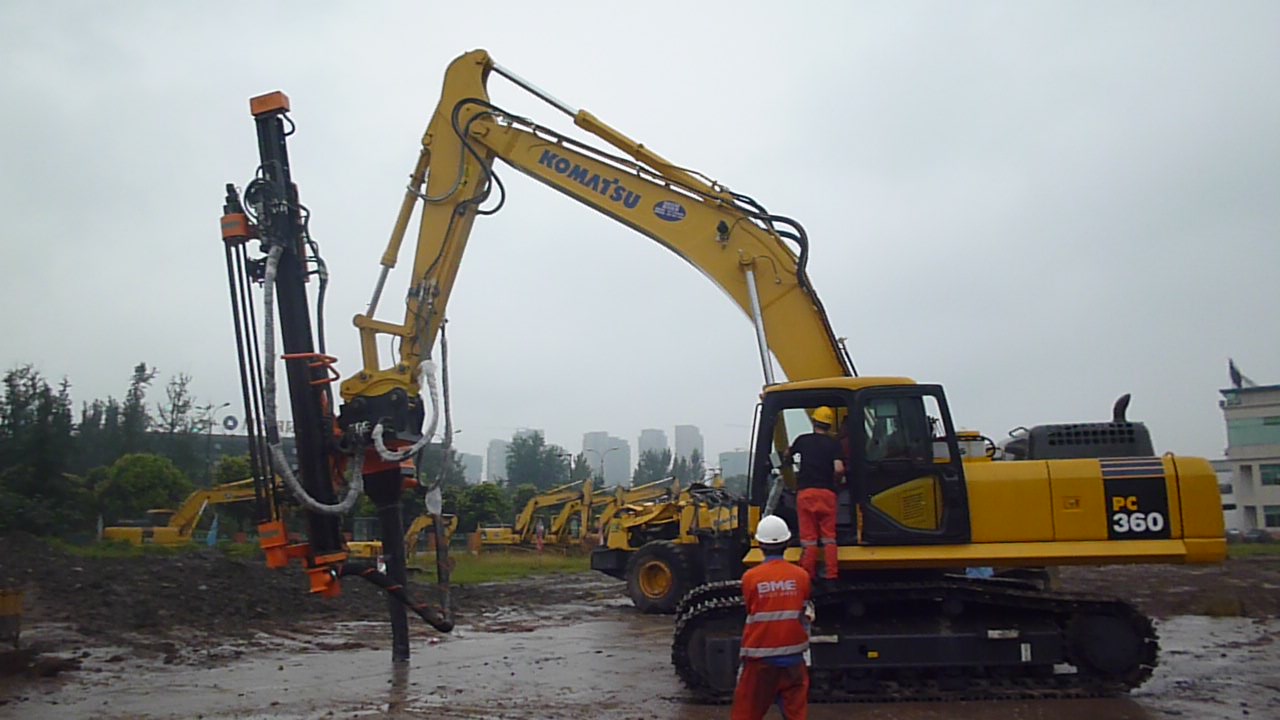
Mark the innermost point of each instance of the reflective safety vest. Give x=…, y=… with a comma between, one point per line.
x=775, y=593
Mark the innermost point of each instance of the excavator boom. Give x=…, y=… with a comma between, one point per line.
x=728, y=237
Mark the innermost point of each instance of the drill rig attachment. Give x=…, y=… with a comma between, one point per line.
x=362, y=443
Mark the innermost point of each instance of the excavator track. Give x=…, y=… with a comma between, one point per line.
x=1106, y=646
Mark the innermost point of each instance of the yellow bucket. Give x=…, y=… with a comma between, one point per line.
x=10, y=615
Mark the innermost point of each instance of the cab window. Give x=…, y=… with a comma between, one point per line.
x=895, y=428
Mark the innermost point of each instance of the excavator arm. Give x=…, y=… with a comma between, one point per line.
x=565, y=494
x=358, y=441
x=746, y=251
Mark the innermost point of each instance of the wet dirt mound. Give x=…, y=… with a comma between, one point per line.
x=167, y=595
x=203, y=589
x=1243, y=587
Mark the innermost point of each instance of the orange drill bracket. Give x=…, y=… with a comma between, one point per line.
x=236, y=228
x=269, y=103
x=324, y=574
x=274, y=542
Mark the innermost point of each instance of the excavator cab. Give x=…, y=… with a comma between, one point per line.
x=904, y=476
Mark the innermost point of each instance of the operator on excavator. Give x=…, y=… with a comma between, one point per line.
x=775, y=639
x=820, y=466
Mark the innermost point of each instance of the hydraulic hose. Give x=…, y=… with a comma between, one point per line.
x=355, y=483
x=441, y=622
x=426, y=376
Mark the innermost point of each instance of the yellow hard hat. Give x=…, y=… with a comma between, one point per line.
x=825, y=415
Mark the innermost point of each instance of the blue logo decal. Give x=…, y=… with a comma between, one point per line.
x=669, y=210
x=611, y=188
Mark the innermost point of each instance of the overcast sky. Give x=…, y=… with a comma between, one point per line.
x=1039, y=206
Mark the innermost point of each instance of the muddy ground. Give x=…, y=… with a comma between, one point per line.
x=204, y=635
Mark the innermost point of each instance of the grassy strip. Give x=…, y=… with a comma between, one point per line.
x=1244, y=550
x=110, y=549
x=494, y=566
x=105, y=549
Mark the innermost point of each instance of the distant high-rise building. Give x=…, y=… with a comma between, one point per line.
x=734, y=463
x=528, y=432
x=688, y=439
x=608, y=456
x=495, y=462
x=472, y=466
x=652, y=440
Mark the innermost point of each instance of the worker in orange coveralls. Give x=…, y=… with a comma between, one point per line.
x=775, y=640
x=820, y=464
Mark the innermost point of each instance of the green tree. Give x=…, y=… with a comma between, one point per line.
x=138, y=482
x=653, y=465
x=581, y=468
x=697, y=468
x=240, y=516
x=521, y=495
x=232, y=468
x=51, y=505
x=177, y=411
x=37, y=444
x=442, y=464
x=135, y=419
x=481, y=504
x=531, y=460
x=178, y=429
x=690, y=469
x=97, y=435
x=35, y=423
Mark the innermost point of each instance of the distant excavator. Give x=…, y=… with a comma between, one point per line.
x=176, y=527
x=424, y=523
x=571, y=514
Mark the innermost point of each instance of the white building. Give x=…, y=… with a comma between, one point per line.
x=1231, y=514
x=1252, y=414
x=608, y=456
x=688, y=439
x=495, y=461
x=473, y=467
x=652, y=440
x=734, y=463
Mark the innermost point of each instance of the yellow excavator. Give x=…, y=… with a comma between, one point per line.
x=635, y=500
x=572, y=498
x=424, y=523
x=175, y=527
x=903, y=620
x=581, y=511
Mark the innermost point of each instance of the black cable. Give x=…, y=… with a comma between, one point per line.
x=440, y=621
x=801, y=238
x=490, y=177
x=502, y=197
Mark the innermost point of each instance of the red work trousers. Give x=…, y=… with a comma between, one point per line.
x=817, y=511
x=761, y=685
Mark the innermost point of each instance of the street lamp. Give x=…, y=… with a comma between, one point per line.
x=601, y=456
x=211, y=414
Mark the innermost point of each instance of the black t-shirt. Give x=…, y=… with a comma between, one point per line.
x=818, y=455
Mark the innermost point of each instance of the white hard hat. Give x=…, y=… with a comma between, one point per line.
x=772, y=530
